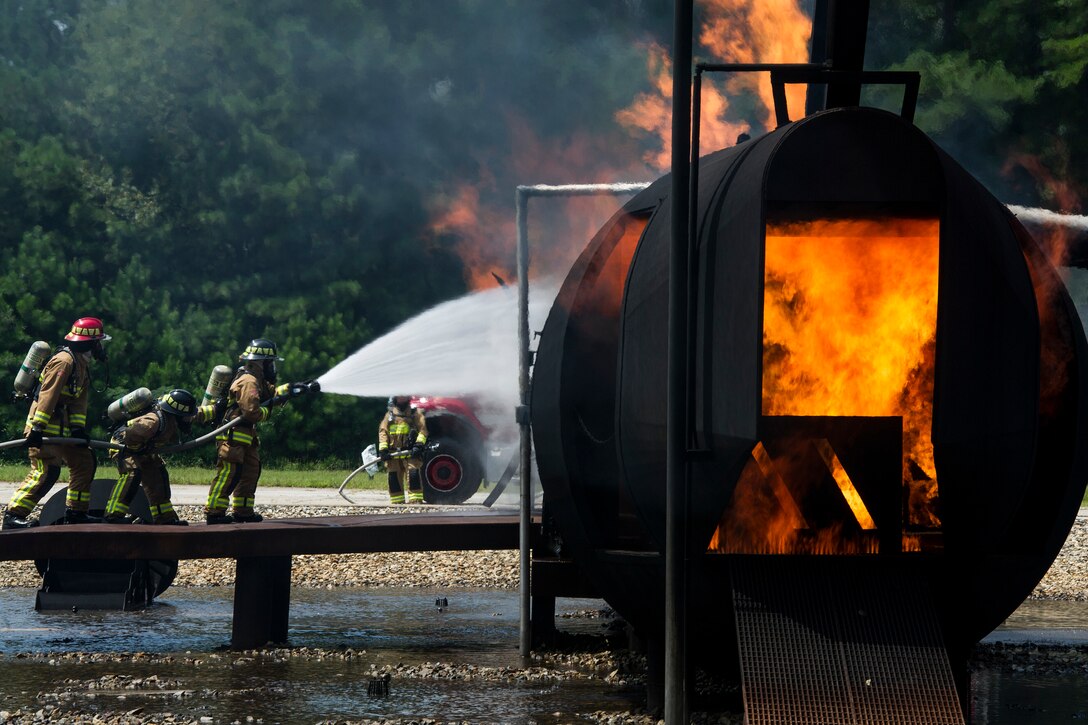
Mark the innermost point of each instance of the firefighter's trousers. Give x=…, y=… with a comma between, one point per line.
x=150, y=472
x=238, y=467
x=45, y=463
x=398, y=469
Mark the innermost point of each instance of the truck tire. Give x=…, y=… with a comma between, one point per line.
x=452, y=472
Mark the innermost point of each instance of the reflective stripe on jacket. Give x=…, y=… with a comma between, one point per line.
x=61, y=403
x=244, y=400
x=396, y=428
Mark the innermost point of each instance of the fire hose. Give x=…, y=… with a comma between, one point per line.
x=371, y=459
x=111, y=446
x=296, y=389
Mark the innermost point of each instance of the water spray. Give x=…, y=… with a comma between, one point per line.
x=466, y=347
x=1049, y=218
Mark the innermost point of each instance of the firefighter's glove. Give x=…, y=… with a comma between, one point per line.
x=220, y=408
x=82, y=434
x=34, y=438
x=283, y=394
x=417, y=450
x=384, y=454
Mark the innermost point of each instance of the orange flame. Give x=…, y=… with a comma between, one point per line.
x=756, y=523
x=480, y=233
x=850, y=318
x=759, y=31
x=849, y=323
x=850, y=310
x=480, y=216
x=1060, y=193
x=734, y=31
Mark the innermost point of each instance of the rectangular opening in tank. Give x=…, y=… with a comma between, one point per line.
x=849, y=331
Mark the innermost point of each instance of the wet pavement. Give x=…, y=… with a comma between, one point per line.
x=361, y=632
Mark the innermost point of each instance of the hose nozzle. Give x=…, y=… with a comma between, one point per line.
x=306, y=386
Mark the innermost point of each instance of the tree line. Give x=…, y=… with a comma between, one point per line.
x=200, y=174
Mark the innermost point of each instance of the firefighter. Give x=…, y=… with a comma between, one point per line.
x=139, y=464
x=59, y=410
x=403, y=428
x=238, y=463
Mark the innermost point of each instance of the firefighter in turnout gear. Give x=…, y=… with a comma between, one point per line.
x=403, y=428
x=238, y=453
x=138, y=462
x=59, y=410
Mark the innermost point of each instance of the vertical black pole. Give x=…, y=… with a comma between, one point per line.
x=816, y=97
x=847, y=26
x=676, y=444
x=522, y=202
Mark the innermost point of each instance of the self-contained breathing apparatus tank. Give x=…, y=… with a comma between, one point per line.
x=218, y=383
x=27, y=377
x=129, y=404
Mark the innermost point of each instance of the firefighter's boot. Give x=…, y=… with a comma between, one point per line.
x=17, y=521
x=75, y=516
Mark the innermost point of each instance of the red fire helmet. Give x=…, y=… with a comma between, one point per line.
x=87, y=328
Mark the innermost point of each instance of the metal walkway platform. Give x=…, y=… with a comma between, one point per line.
x=443, y=531
x=839, y=640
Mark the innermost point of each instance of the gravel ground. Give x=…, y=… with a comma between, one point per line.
x=1066, y=580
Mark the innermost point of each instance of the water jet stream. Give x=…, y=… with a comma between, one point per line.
x=466, y=347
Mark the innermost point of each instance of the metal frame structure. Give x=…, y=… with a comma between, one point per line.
x=522, y=196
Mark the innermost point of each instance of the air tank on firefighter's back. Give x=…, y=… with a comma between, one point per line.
x=882, y=364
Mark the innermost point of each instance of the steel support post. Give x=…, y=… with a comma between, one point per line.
x=524, y=417
x=522, y=202
x=262, y=601
x=676, y=482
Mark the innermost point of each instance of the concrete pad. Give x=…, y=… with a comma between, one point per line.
x=278, y=496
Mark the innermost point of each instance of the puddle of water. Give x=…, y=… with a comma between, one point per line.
x=1044, y=622
x=394, y=626
x=403, y=626
x=1009, y=698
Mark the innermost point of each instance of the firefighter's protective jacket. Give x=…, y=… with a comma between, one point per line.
x=244, y=400
x=145, y=434
x=61, y=402
x=396, y=429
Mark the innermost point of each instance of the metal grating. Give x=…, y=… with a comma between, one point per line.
x=839, y=640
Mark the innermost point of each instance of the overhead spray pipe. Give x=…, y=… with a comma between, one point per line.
x=525, y=361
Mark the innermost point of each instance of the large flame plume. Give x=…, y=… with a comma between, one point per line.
x=479, y=214
x=733, y=31
x=849, y=327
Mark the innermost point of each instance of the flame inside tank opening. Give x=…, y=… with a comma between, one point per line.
x=849, y=329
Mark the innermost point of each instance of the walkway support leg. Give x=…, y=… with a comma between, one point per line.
x=262, y=600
